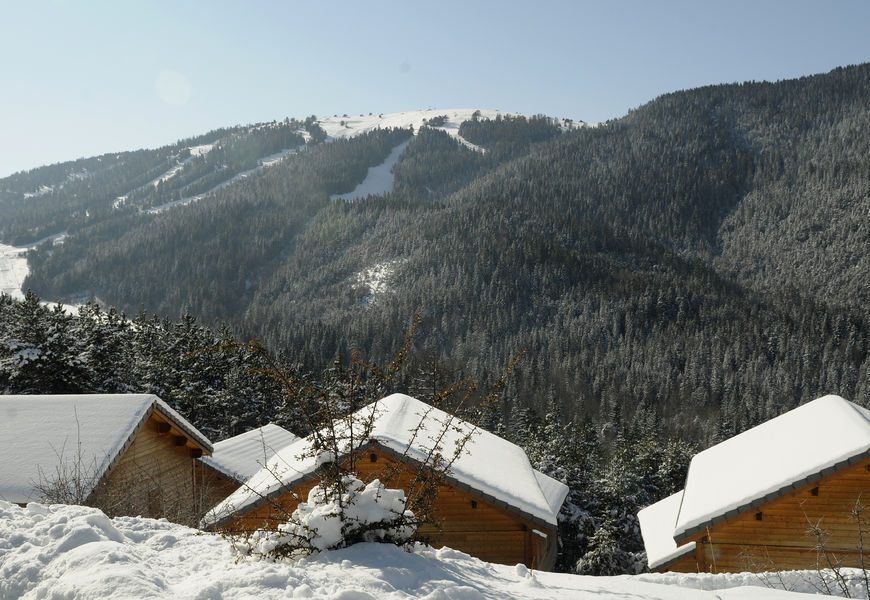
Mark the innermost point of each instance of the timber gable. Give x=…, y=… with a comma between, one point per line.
x=787, y=494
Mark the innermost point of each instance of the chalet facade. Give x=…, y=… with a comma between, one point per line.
x=764, y=499
x=235, y=460
x=128, y=454
x=492, y=504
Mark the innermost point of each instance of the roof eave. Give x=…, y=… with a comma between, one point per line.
x=662, y=564
x=197, y=438
x=689, y=534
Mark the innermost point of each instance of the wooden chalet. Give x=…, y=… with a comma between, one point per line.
x=127, y=454
x=235, y=460
x=782, y=495
x=492, y=504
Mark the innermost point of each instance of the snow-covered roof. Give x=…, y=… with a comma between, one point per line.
x=490, y=465
x=240, y=457
x=42, y=437
x=657, y=528
x=554, y=491
x=758, y=465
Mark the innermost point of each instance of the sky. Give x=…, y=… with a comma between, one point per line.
x=81, y=78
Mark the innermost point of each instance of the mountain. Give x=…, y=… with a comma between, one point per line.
x=705, y=255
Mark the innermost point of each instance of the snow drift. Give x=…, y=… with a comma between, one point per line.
x=64, y=552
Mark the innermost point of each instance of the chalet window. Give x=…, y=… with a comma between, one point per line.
x=759, y=516
x=814, y=491
x=373, y=457
x=474, y=504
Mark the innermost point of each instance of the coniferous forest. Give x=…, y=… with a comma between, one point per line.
x=668, y=279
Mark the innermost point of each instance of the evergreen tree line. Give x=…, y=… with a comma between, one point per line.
x=613, y=468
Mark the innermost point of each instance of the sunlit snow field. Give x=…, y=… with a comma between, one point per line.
x=76, y=552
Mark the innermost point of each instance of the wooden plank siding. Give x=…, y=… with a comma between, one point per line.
x=213, y=485
x=155, y=476
x=463, y=520
x=776, y=535
x=683, y=564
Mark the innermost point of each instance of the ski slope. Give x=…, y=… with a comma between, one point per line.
x=264, y=163
x=341, y=126
x=13, y=270
x=379, y=179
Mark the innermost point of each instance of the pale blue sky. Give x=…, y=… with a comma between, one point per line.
x=79, y=78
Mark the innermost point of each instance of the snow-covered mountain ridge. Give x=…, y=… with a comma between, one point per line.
x=445, y=119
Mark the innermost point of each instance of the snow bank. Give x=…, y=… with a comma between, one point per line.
x=803, y=582
x=65, y=552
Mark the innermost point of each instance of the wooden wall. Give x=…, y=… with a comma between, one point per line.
x=212, y=485
x=466, y=521
x=154, y=477
x=684, y=564
x=777, y=534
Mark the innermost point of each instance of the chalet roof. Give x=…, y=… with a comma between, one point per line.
x=490, y=465
x=657, y=528
x=240, y=457
x=43, y=437
x=758, y=465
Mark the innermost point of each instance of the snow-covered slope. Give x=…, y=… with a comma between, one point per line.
x=13, y=270
x=345, y=126
x=379, y=179
x=265, y=162
x=76, y=552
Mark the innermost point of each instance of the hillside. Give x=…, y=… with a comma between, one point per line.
x=704, y=255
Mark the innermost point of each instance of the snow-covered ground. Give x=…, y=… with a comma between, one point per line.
x=377, y=278
x=13, y=265
x=345, y=126
x=13, y=270
x=65, y=552
x=350, y=126
x=379, y=179
x=43, y=189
